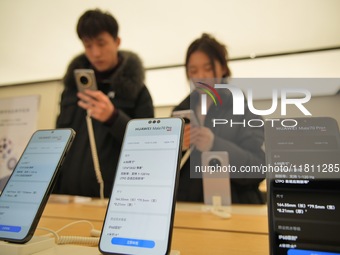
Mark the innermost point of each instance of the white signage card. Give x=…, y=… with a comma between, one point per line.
x=18, y=121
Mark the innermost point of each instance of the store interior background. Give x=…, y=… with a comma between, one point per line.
x=38, y=40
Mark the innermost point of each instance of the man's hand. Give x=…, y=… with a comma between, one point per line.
x=97, y=103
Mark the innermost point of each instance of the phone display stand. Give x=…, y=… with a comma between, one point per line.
x=217, y=209
x=35, y=245
x=95, y=202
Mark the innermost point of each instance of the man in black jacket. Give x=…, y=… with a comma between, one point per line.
x=121, y=96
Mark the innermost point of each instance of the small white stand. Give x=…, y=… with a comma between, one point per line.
x=217, y=209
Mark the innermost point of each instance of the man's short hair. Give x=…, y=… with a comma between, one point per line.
x=94, y=22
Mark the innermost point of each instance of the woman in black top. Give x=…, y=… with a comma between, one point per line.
x=206, y=62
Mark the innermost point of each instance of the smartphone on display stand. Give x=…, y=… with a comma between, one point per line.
x=216, y=184
x=25, y=195
x=85, y=79
x=304, y=197
x=140, y=213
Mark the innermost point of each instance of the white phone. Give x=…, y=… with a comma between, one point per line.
x=25, y=195
x=140, y=213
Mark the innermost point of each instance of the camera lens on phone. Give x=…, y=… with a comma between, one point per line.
x=215, y=162
x=186, y=120
x=84, y=80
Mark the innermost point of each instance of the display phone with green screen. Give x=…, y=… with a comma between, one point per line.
x=140, y=212
x=25, y=195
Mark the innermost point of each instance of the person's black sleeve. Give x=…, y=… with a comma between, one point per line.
x=143, y=108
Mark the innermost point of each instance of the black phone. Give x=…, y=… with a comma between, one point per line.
x=85, y=79
x=140, y=213
x=303, y=185
x=25, y=195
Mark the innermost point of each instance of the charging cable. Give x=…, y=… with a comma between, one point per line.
x=95, y=154
x=80, y=240
x=186, y=156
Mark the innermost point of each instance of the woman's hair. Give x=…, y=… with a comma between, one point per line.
x=213, y=49
x=94, y=22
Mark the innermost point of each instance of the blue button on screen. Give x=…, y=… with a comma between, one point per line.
x=6, y=228
x=133, y=242
x=306, y=252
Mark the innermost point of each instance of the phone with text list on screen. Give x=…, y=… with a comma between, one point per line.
x=303, y=184
x=140, y=213
x=25, y=195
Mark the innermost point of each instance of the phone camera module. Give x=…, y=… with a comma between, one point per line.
x=215, y=162
x=186, y=120
x=84, y=80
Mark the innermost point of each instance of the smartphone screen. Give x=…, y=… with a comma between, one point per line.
x=304, y=196
x=140, y=212
x=23, y=199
